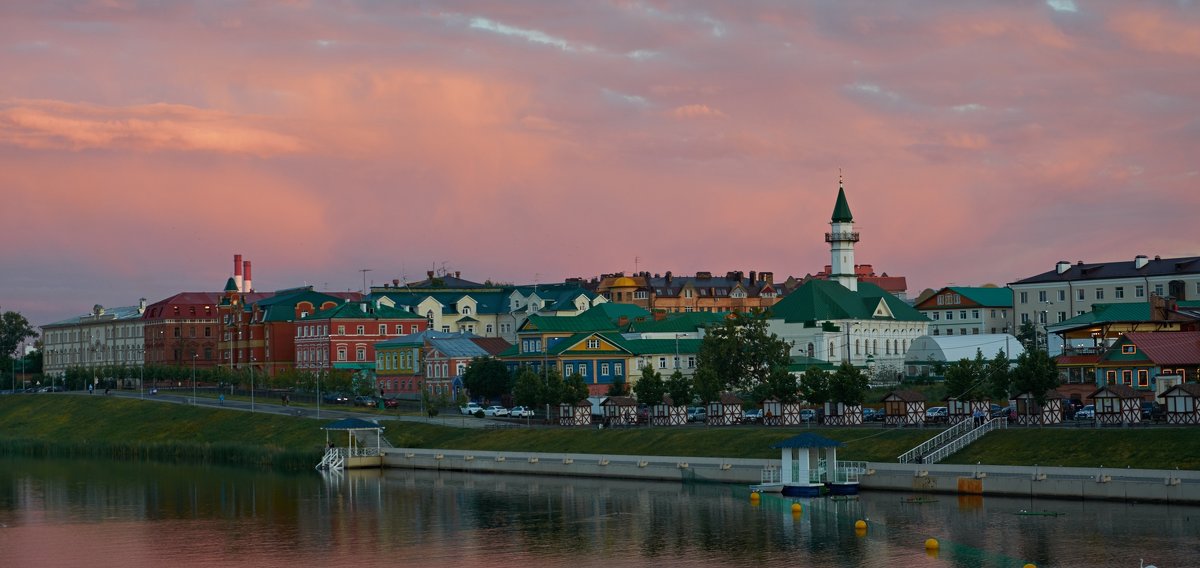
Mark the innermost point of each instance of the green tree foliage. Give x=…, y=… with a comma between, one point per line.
x=848, y=385
x=553, y=387
x=1035, y=374
x=617, y=388
x=527, y=389
x=780, y=385
x=1027, y=335
x=679, y=388
x=966, y=379
x=706, y=383
x=814, y=386
x=488, y=377
x=998, y=377
x=574, y=389
x=650, y=388
x=14, y=329
x=740, y=354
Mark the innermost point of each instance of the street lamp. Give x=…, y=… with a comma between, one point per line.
x=142, y=374
x=252, y=383
x=194, y=355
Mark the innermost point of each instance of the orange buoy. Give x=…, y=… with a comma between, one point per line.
x=931, y=544
x=860, y=524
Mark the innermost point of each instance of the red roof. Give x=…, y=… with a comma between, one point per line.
x=493, y=345
x=1091, y=359
x=1168, y=347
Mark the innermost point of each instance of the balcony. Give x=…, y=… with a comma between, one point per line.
x=842, y=237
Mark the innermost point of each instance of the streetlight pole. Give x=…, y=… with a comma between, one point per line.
x=193, y=379
x=142, y=374
x=252, y=383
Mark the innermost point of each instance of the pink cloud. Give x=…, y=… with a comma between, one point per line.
x=1156, y=32
x=696, y=111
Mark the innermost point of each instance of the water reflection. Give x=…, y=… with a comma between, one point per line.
x=68, y=513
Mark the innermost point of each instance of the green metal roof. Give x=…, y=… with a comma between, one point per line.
x=676, y=323
x=841, y=211
x=801, y=363
x=1114, y=313
x=615, y=311
x=354, y=310
x=585, y=322
x=230, y=285
x=822, y=300
x=989, y=297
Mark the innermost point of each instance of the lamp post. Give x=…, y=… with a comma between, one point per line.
x=142, y=375
x=252, y=383
x=194, y=379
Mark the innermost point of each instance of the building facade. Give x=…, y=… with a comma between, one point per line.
x=183, y=330
x=961, y=310
x=107, y=337
x=344, y=336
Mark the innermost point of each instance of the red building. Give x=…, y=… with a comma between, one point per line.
x=183, y=328
x=344, y=336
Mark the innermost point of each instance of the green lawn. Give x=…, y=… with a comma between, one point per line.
x=136, y=429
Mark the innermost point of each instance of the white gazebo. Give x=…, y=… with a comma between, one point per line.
x=356, y=453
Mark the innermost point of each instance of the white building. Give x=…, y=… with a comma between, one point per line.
x=104, y=338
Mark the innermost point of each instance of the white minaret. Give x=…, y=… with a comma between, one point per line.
x=841, y=238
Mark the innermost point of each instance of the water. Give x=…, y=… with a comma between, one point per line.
x=101, y=514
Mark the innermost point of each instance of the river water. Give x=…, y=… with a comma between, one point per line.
x=98, y=514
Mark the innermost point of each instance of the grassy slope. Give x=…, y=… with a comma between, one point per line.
x=71, y=425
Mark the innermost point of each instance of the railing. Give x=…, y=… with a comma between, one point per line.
x=848, y=471
x=936, y=442
x=851, y=236
x=770, y=475
x=965, y=440
x=334, y=460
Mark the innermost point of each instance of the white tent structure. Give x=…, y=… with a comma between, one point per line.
x=928, y=350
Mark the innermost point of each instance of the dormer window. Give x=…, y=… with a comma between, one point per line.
x=1129, y=349
x=466, y=310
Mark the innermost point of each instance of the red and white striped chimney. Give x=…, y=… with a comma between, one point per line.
x=249, y=288
x=237, y=271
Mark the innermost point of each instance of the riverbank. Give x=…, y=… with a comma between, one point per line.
x=135, y=429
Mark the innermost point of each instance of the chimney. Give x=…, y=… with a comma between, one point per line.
x=768, y=277
x=237, y=271
x=1140, y=261
x=429, y=274
x=141, y=305
x=457, y=274
x=753, y=276
x=249, y=287
x=668, y=277
x=396, y=282
x=1062, y=266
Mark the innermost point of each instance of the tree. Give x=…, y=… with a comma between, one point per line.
x=487, y=377
x=706, y=383
x=1035, y=374
x=617, y=388
x=14, y=329
x=679, y=388
x=998, y=377
x=740, y=354
x=528, y=387
x=650, y=388
x=848, y=385
x=780, y=385
x=1027, y=335
x=965, y=379
x=814, y=387
x=574, y=389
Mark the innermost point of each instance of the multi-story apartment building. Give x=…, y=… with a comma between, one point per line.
x=111, y=337
x=183, y=329
x=961, y=310
x=344, y=336
x=431, y=359
x=1070, y=289
x=703, y=292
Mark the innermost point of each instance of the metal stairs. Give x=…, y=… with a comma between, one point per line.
x=951, y=440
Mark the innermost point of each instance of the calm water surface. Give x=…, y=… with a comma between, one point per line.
x=100, y=514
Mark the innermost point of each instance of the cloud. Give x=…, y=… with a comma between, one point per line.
x=57, y=125
x=696, y=111
x=1156, y=33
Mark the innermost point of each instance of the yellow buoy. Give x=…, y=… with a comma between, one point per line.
x=931, y=544
x=860, y=524
x=1030, y=565
x=860, y=532
x=755, y=496
x=797, y=508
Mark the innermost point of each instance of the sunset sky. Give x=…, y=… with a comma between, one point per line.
x=143, y=143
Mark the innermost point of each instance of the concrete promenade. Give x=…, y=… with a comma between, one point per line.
x=1145, y=485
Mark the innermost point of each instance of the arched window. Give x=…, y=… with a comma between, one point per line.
x=811, y=350
x=896, y=346
x=857, y=347
x=466, y=310
x=830, y=356
x=887, y=347
x=875, y=346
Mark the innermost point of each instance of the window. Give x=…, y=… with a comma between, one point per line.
x=1024, y=297
x=1119, y=292
x=1129, y=349
x=962, y=314
x=1079, y=294
x=361, y=330
x=446, y=329
x=568, y=369
x=1099, y=293
x=937, y=316
x=488, y=328
x=341, y=330
x=974, y=314
x=1126, y=377
x=1042, y=317
x=949, y=316
x=662, y=362
x=641, y=295
x=466, y=310
x=1158, y=289
x=1139, y=291
x=207, y=331
x=1062, y=316
x=950, y=331
x=1062, y=295
x=962, y=331
x=583, y=370
x=691, y=362
x=858, y=347
x=604, y=369
x=1143, y=378
x=1042, y=296
x=414, y=328
x=593, y=344
x=383, y=329
x=341, y=354
x=618, y=369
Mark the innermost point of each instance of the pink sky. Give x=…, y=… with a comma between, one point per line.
x=142, y=144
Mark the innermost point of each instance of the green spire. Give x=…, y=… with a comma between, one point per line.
x=231, y=286
x=841, y=211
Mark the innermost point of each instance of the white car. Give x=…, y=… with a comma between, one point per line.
x=521, y=412
x=495, y=411
x=470, y=409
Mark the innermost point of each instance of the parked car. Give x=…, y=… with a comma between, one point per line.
x=808, y=414
x=367, y=401
x=1086, y=413
x=335, y=398
x=752, y=416
x=391, y=402
x=1153, y=411
x=937, y=414
x=495, y=410
x=471, y=408
x=521, y=412
x=697, y=414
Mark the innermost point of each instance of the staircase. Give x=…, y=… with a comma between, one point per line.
x=951, y=440
x=333, y=460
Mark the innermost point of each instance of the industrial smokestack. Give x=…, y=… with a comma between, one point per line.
x=249, y=288
x=237, y=271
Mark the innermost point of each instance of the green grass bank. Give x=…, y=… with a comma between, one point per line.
x=130, y=429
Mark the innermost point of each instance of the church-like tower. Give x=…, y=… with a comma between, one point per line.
x=841, y=238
